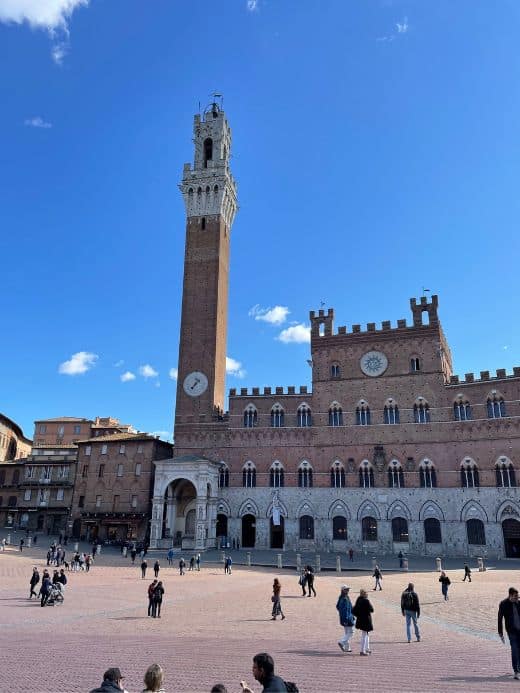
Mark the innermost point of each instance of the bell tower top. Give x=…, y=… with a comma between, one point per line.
x=208, y=189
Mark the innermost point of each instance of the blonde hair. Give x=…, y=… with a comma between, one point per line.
x=153, y=679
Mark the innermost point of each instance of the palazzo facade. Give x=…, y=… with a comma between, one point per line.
x=388, y=450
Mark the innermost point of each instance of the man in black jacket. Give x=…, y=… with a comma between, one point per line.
x=410, y=608
x=35, y=579
x=112, y=682
x=263, y=671
x=509, y=611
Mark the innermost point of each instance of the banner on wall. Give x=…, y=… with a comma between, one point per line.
x=276, y=516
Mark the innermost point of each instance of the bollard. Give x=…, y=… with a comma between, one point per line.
x=98, y=549
x=298, y=562
x=8, y=541
x=248, y=559
x=125, y=551
x=374, y=562
x=29, y=540
x=405, y=565
x=438, y=562
x=480, y=563
x=279, y=560
x=76, y=546
x=338, y=564
x=318, y=563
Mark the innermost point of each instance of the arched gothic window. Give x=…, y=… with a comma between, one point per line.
x=335, y=415
x=427, y=475
x=505, y=473
x=415, y=364
x=339, y=528
x=337, y=475
x=461, y=410
x=395, y=475
x=476, y=532
x=223, y=477
x=277, y=416
x=400, y=529
x=249, y=475
x=496, y=407
x=369, y=529
x=306, y=527
x=250, y=417
x=305, y=475
x=276, y=476
x=469, y=474
x=391, y=413
x=335, y=370
x=366, y=475
x=304, y=416
x=432, y=531
x=363, y=414
x=421, y=412
x=208, y=151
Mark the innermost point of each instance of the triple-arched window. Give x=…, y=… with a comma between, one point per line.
x=337, y=475
x=395, y=475
x=366, y=475
x=305, y=475
x=421, y=412
x=276, y=475
x=391, y=413
x=335, y=415
x=363, y=414
x=249, y=475
x=223, y=476
x=250, y=416
x=469, y=474
x=461, y=410
x=505, y=473
x=304, y=416
x=277, y=416
x=427, y=475
x=496, y=407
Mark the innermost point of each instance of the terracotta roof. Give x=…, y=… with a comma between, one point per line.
x=118, y=436
x=62, y=418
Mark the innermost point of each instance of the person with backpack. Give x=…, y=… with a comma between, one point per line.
x=157, y=600
x=263, y=671
x=378, y=575
x=411, y=610
x=346, y=619
x=445, y=583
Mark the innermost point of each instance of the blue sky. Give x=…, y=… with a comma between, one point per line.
x=376, y=150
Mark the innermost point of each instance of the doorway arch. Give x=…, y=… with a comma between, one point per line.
x=248, y=531
x=277, y=533
x=511, y=532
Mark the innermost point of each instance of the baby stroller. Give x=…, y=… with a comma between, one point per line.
x=56, y=595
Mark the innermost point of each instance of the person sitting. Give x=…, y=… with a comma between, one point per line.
x=263, y=671
x=112, y=682
x=153, y=679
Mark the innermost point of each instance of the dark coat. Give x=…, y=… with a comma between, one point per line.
x=107, y=687
x=505, y=612
x=46, y=585
x=414, y=602
x=274, y=684
x=363, y=610
x=35, y=579
x=158, y=594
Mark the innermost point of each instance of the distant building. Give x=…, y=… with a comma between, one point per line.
x=13, y=443
x=69, y=429
x=114, y=486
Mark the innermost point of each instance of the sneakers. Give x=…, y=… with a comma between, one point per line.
x=419, y=639
x=342, y=648
x=516, y=675
x=283, y=617
x=363, y=654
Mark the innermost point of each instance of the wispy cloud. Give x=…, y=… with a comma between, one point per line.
x=274, y=316
x=252, y=5
x=165, y=435
x=173, y=373
x=79, y=363
x=148, y=371
x=234, y=367
x=295, y=334
x=37, y=122
x=119, y=363
x=400, y=28
x=127, y=376
x=52, y=16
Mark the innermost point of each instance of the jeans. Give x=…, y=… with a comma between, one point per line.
x=345, y=640
x=365, y=642
x=514, y=641
x=445, y=592
x=412, y=616
x=378, y=584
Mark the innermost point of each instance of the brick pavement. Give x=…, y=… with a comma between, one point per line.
x=212, y=624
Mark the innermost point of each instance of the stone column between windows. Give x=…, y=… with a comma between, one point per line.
x=212, y=523
x=171, y=515
x=156, y=522
x=201, y=524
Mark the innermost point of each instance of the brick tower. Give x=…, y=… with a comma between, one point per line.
x=209, y=193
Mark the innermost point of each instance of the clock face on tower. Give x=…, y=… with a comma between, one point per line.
x=373, y=363
x=195, y=384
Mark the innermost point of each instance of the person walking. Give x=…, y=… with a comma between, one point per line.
x=363, y=611
x=351, y=554
x=153, y=679
x=62, y=579
x=400, y=557
x=182, y=565
x=378, y=575
x=197, y=561
x=467, y=572
x=229, y=563
x=277, y=602
x=156, y=568
x=192, y=563
x=88, y=562
x=144, y=566
x=151, y=588
x=133, y=554
x=346, y=618
x=169, y=556
x=45, y=588
x=22, y=542
x=310, y=581
x=157, y=600
x=303, y=581
x=411, y=610
x=509, y=612
x=35, y=579
x=445, y=583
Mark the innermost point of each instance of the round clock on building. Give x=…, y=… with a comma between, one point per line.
x=195, y=384
x=373, y=363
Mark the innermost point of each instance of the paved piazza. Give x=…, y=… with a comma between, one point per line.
x=212, y=624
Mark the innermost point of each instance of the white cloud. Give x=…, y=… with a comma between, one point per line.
x=79, y=363
x=252, y=5
x=37, y=121
x=274, y=316
x=51, y=15
x=173, y=373
x=127, y=376
x=234, y=367
x=119, y=363
x=147, y=371
x=157, y=384
x=296, y=334
x=165, y=435
x=402, y=27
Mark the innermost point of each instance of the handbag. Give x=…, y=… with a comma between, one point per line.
x=273, y=598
